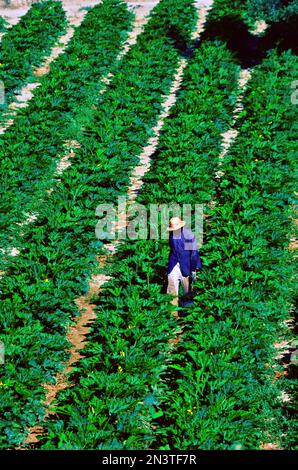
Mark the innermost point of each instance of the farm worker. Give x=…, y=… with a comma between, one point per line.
x=184, y=259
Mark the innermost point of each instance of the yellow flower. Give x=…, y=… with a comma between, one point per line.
x=189, y=411
x=120, y=369
x=122, y=353
x=46, y=280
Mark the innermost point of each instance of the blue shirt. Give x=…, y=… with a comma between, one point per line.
x=184, y=251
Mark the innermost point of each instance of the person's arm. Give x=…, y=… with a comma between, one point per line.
x=195, y=260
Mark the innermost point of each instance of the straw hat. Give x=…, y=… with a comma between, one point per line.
x=175, y=224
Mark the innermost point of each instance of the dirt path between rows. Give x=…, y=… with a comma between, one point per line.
x=78, y=332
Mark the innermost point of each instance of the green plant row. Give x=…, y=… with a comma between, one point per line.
x=272, y=10
x=21, y=325
x=58, y=251
x=234, y=20
x=221, y=388
x=237, y=12
x=3, y=24
x=31, y=148
x=26, y=45
x=217, y=391
x=191, y=140
x=119, y=385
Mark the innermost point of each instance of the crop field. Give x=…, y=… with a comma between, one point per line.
x=169, y=102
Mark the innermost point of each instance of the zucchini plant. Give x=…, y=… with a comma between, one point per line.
x=31, y=148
